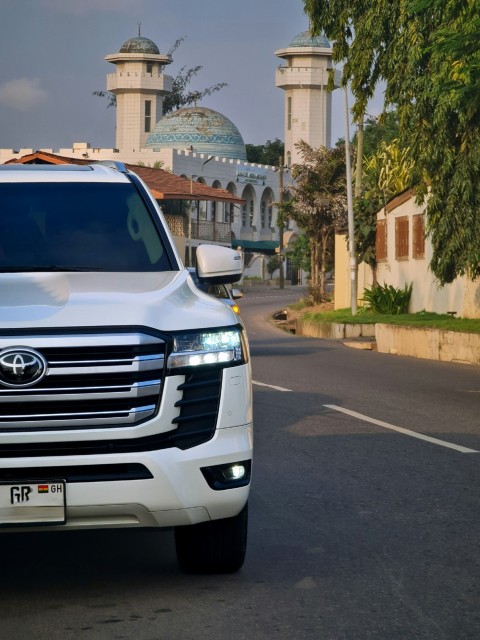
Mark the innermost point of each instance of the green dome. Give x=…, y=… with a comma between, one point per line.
x=139, y=45
x=205, y=130
x=305, y=39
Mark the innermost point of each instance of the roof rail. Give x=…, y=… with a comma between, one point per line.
x=113, y=164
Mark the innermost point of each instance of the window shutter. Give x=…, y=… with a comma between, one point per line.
x=381, y=240
x=418, y=236
x=401, y=238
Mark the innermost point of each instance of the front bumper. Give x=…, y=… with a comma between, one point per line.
x=176, y=494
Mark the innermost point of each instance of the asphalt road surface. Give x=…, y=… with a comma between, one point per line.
x=364, y=516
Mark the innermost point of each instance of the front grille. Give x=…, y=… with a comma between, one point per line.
x=92, y=381
x=195, y=425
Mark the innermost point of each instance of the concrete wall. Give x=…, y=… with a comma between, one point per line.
x=431, y=344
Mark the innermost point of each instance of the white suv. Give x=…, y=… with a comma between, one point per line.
x=125, y=392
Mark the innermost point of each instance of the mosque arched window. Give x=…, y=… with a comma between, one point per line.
x=244, y=214
x=228, y=212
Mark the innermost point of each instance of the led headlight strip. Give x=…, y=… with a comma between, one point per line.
x=207, y=348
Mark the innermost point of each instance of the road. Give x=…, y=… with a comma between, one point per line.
x=364, y=516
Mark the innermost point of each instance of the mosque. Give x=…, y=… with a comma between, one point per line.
x=185, y=141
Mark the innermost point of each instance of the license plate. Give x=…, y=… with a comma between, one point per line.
x=32, y=503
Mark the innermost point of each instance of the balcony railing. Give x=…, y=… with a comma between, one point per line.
x=200, y=229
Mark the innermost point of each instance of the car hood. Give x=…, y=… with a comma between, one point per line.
x=165, y=301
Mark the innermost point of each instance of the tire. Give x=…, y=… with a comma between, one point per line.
x=217, y=546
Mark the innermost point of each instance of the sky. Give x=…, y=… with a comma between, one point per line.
x=53, y=59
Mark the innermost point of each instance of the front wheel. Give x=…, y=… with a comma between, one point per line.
x=217, y=546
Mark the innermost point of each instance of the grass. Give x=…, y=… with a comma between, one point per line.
x=422, y=319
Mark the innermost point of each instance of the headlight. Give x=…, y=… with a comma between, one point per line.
x=224, y=347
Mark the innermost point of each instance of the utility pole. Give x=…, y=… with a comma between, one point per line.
x=214, y=216
x=281, y=280
x=190, y=204
x=351, y=226
x=359, y=167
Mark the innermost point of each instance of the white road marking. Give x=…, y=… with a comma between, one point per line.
x=270, y=386
x=405, y=432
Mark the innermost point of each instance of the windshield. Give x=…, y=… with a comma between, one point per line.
x=78, y=226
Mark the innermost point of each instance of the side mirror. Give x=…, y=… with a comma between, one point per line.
x=218, y=265
x=236, y=294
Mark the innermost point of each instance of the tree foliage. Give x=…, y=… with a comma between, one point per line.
x=377, y=131
x=267, y=153
x=181, y=96
x=299, y=253
x=389, y=171
x=319, y=204
x=428, y=54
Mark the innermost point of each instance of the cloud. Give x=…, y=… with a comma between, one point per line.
x=23, y=94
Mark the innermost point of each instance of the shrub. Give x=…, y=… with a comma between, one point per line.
x=387, y=299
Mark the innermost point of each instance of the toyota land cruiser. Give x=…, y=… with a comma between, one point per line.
x=125, y=391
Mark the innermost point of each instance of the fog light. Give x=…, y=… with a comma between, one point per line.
x=228, y=476
x=237, y=472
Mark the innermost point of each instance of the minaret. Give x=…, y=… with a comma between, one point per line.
x=139, y=86
x=308, y=104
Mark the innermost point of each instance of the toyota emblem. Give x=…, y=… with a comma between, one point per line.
x=21, y=367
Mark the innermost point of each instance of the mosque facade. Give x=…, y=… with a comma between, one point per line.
x=203, y=145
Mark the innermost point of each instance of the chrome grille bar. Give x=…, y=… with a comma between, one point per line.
x=85, y=368
x=137, y=390
x=75, y=421
x=92, y=380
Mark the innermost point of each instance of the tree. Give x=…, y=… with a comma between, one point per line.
x=180, y=96
x=318, y=204
x=428, y=54
x=267, y=153
x=299, y=254
x=273, y=264
x=386, y=173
